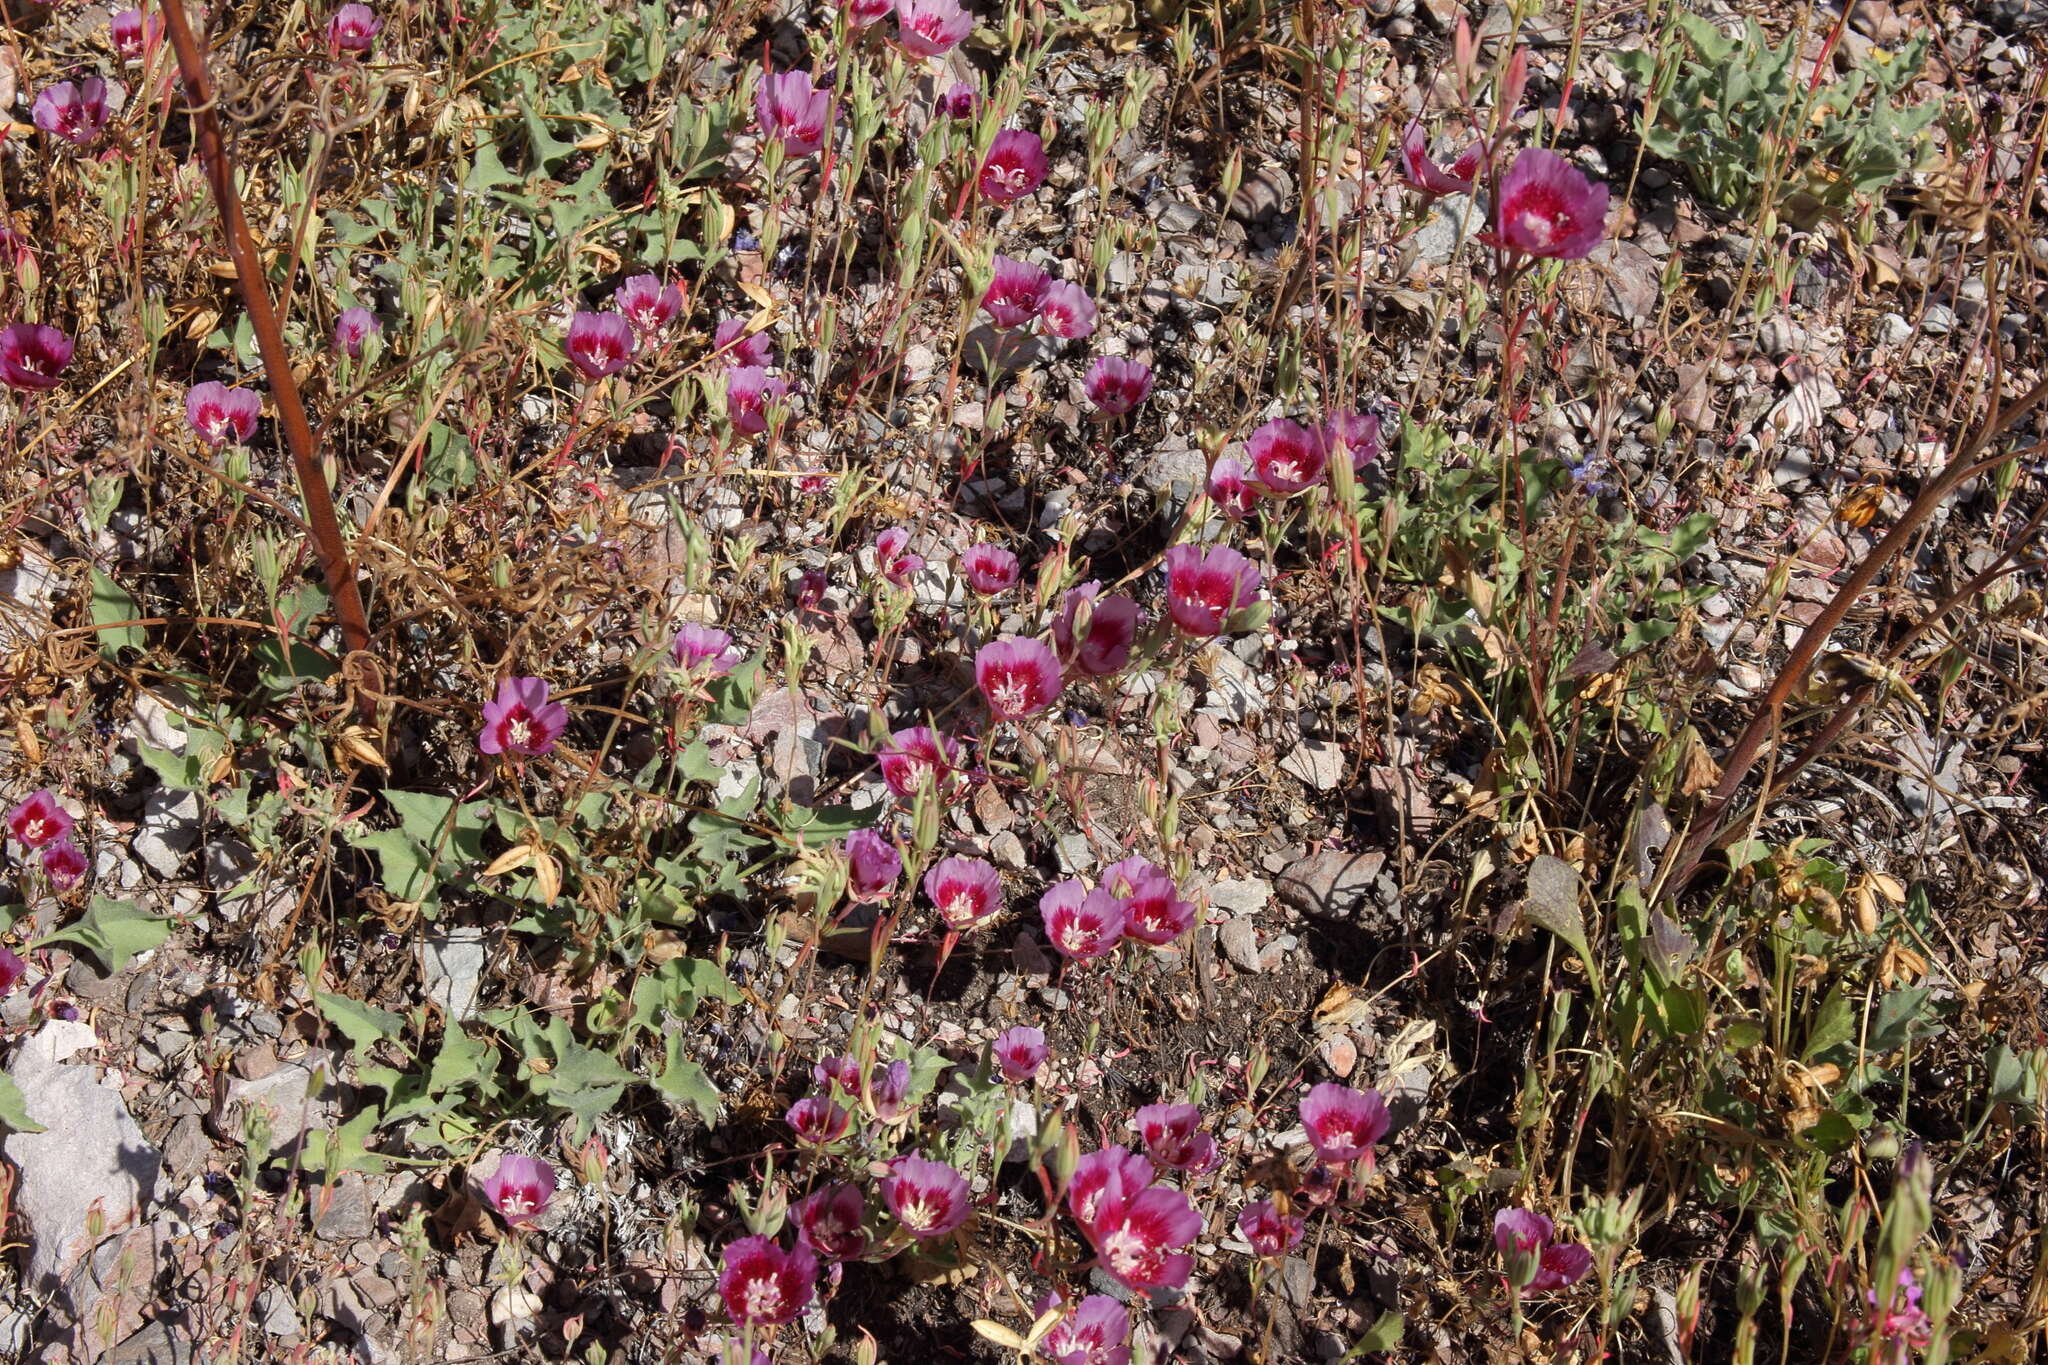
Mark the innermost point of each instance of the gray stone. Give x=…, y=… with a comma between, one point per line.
x=160, y=1343
x=1330, y=882
x=1240, y=944
x=1452, y=220
x=287, y=1100
x=1316, y=762
x=170, y=830
x=454, y=961
x=1246, y=897
x=1175, y=472
x=280, y=1316
x=342, y=1212
x=1074, y=853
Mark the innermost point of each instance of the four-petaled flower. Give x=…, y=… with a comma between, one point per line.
x=889, y=1091
x=353, y=328
x=893, y=559
x=39, y=820
x=1014, y=292
x=742, y=347
x=520, y=1187
x=133, y=36
x=1018, y=677
x=1139, y=1239
x=74, y=111
x=647, y=303
x=931, y=28
x=520, y=720
x=64, y=863
x=600, y=344
x=220, y=414
x=1095, y=1333
x=1095, y=633
x=1082, y=924
x=1549, y=208
x=828, y=1221
x=703, y=651
x=1342, y=1123
x=749, y=390
x=965, y=891
x=1154, y=913
x=960, y=100
x=1286, y=456
x=817, y=1121
x=1537, y=1262
x=1355, y=433
x=11, y=968
x=794, y=110
x=872, y=865
x=1173, y=1137
x=1116, y=385
x=354, y=29
x=1426, y=175
x=929, y=1198
x=1020, y=1051
x=1271, y=1232
x=989, y=569
x=1234, y=495
x=1014, y=167
x=1204, y=586
x=33, y=356
x=917, y=756
x=1066, y=311
x=763, y=1285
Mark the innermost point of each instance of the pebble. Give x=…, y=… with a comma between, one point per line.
x=1893, y=329
x=1246, y=897
x=1240, y=944
x=1316, y=762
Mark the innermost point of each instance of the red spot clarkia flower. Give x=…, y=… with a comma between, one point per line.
x=1014, y=167
x=1234, y=495
x=1095, y=633
x=916, y=756
x=354, y=327
x=1353, y=433
x=1154, y=913
x=989, y=569
x=1014, y=292
x=33, y=356
x=861, y=13
x=1020, y=1051
x=817, y=1121
x=828, y=1222
x=740, y=347
x=1095, y=1333
x=1271, y=1232
x=1066, y=311
x=354, y=29
x=1526, y=1239
x=931, y=28
x=1342, y=1123
x=893, y=559
x=793, y=110
x=889, y=1091
x=838, y=1073
x=1204, y=586
x=133, y=37
x=76, y=112
x=600, y=344
x=220, y=414
x=960, y=100
x=929, y=1198
x=520, y=1187
x=1122, y=879
x=1115, y=385
x=521, y=721
x=872, y=865
x=39, y=820
x=63, y=863
x=965, y=891
x=1548, y=208
x=647, y=303
x=1139, y=1240
x=749, y=390
x=1017, y=677
x=11, y=968
x=1426, y=175
x=1286, y=456
x=704, y=651
x=763, y=1285
x=1082, y=924
x=1173, y=1137
x=1104, y=1181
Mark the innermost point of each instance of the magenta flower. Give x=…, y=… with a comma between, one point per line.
x=1342, y=1123
x=1104, y=1181
x=763, y=1285
x=1204, y=586
x=1565, y=1264
x=793, y=110
x=828, y=1222
x=1535, y=1259
x=1122, y=879
x=1014, y=167
x=893, y=559
x=817, y=1121
x=39, y=820
x=931, y=28
x=1095, y=1333
x=916, y=756
x=600, y=344
x=1423, y=174
x=11, y=968
x=32, y=356
x=1234, y=495
x=1548, y=208
x=520, y=1187
x=1116, y=385
x=1082, y=924
x=757, y=349
x=647, y=303
x=749, y=390
x=132, y=36
x=1271, y=1232
x=862, y=13
x=1020, y=1051
x=1017, y=677
x=1173, y=1137
x=929, y=1198
x=960, y=100
x=63, y=863
x=75, y=112
x=1095, y=633
x=1902, y=1324
x=838, y=1073
x=1356, y=433
x=1154, y=913
x=220, y=414
x=1014, y=292
x=965, y=891
x=989, y=569
x=354, y=29
x=889, y=1091
x=1286, y=457
x=1139, y=1240
x=521, y=721
x=354, y=327
x=872, y=865
x=1066, y=311
x=704, y=651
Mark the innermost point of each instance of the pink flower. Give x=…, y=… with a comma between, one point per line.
x=63, y=863
x=817, y=1121
x=32, y=356
x=1095, y=633
x=647, y=303
x=1357, y=433
x=749, y=390
x=1902, y=1324
x=931, y=28
x=1154, y=914
x=1014, y=293
x=829, y=1222
x=1122, y=879
x=792, y=109
x=1234, y=495
x=132, y=37
x=1116, y=385
x=861, y=13
x=1095, y=1333
x=520, y=1187
x=75, y=112
x=916, y=756
x=1066, y=311
x=1342, y=1123
x=353, y=29
x=1271, y=1232
x=872, y=865
x=1139, y=1241
x=929, y=1198
x=893, y=559
x=838, y=1073
x=1520, y=1230
x=755, y=349
x=1286, y=457
x=1020, y=1051
x=39, y=820
x=965, y=891
x=989, y=569
x=11, y=968
x=960, y=100
x=1535, y=1261
x=704, y=651
x=520, y=720
x=354, y=327
x=1103, y=1182
x=219, y=413
x=1548, y=208
x=1082, y=924
x=1204, y=586
x=1173, y=1137
x=889, y=1091
x=763, y=1285
x=1017, y=677
x=1014, y=167
x=1423, y=174
x=600, y=343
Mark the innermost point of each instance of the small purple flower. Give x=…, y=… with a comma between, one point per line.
x=1173, y=1137
x=521, y=721
x=929, y=1198
x=1103, y=1182
x=1342, y=1123
x=817, y=1122
x=64, y=864
x=1066, y=311
x=1014, y=292
x=600, y=344
x=1535, y=1260
x=647, y=303
x=989, y=569
x=1271, y=1232
x=742, y=349
x=354, y=29
x=1017, y=677
x=1115, y=385
x=1286, y=457
x=918, y=755
x=965, y=891
x=132, y=36
x=1020, y=1051
x=76, y=112
x=39, y=820
x=838, y=1073
x=931, y=28
x=749, y=390
x=873, y=865
x=704, y=651
x=520, y=1187
x=1204, y=586
x=1356, y=433
x=354, y=327
x=763, y=1285
x=1095, y=633
x=790, y=108
x=1154, y=913
x=1082, y=924
x=1095, y=1333
x=1139, y=1240
x=1234, y=495
x=961, y=100
x=220, y=414
x=1424, y=174
x=33, y=356
x=1549, y=208
x=889, y=1091
x=1014, y=167
x=11, y=968
x=893, y=559
x=828, y=1222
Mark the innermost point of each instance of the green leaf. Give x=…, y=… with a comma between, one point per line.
x=1834, y=1024
x=1900, y=1019
x=364, y=1023
x=683, y=1082
x=110, y=603
x=14, y=1107
x=1383, y=1335
x=582, y=1080
x=1553, y=902
x=114, y=932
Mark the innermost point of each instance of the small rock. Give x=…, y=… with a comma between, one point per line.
x=280, y=1317
x=1006, y=850
x=1240, y=944
x=1073, y=852
x=170, y=830
x=1330, y=882
x=342, y=1212
x=1893, y=330
x=160, y=1343
x=1339, y=1054
x=1316, y=762
x=1939, y=320
x=1246, y=897
x=454, y=963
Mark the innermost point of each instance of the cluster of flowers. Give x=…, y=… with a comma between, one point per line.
x=34, y=356
x=1020, y=293
x=643, y=309
x=1287, y=458
x=1544, y=207
x=1135, y=899
x=43, y=827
